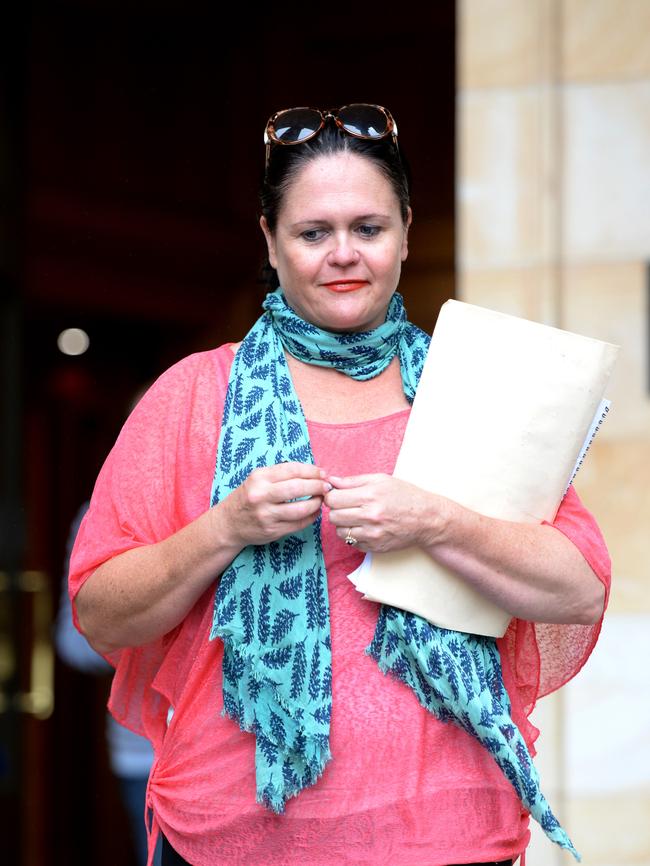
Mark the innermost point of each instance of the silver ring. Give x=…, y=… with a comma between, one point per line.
x=349, y=538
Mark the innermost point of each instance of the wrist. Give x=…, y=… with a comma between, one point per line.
x=225, y=538
x=441, y=522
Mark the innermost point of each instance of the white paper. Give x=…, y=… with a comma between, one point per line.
x=601, y=414
x=503, y=409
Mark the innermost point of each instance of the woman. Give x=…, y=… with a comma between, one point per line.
x=293, y=505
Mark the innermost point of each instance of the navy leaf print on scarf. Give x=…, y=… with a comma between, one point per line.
x=324, y=714
x=259, y=560
x=275, y=557
x=298, y=671
x=247, y=614
x=264, y=617
x=253, y=398
x=314, y=676
x=237, y=401
x=277, y=728
x=316, y=604
x=278, y=658
x=271, y=426
x=282, y=624
x=326, y=687
x=227, y=611
x=261, y=371
x=225, y=461
x=291, y=552
x=252, y=421
x=267, y=748
x=239, y=477
x=299, y=454
x=243, y=450
x=291, y=587
x=290, y=778
x=254, y=687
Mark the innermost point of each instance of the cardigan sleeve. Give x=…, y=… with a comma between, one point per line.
x=542, y=657
x=155, y=480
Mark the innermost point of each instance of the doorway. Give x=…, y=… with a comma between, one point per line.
x=137, y=206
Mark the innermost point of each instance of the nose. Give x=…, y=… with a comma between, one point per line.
x=343, y=252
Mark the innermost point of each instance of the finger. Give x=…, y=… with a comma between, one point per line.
x=298, y=488
x=345, y=517
x=301, y=509
x=355, y=497
x=350, y=481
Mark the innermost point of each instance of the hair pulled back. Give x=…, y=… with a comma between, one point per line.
x=286, y=162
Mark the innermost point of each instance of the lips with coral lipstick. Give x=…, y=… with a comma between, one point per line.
x=345, y=285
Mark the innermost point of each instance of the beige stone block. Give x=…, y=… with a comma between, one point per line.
x=614, y=755
x=526, y=292
x=614, y=483
x=608, y=302
x=502, y=43
x=606, y=167
x=613, y=830
x=605, y=39
x=506, y=197
x=548, y=716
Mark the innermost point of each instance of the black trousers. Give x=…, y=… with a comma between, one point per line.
x=171, y=858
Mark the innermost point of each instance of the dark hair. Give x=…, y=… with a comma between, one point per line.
x=286, y=161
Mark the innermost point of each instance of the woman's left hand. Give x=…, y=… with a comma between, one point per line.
x=384, y=513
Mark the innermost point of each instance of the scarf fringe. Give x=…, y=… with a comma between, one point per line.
x=305, y=749
x=275, y=800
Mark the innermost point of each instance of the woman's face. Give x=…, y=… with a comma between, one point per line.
x=339, y=243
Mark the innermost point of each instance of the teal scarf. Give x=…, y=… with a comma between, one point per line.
x=271, y=606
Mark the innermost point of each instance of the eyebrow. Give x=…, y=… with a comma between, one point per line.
x=361, y=218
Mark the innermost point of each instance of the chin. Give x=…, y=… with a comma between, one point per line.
x=347, y=325
x=352, y=319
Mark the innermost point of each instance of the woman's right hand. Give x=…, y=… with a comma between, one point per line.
x=272, y=503
x=146, y=591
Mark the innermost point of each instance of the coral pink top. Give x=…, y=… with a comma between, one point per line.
x=401, y=786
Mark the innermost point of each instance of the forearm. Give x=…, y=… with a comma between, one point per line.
x=531, y=570
x=145, y=592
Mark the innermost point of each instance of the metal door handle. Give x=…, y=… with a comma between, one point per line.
x=38, y=700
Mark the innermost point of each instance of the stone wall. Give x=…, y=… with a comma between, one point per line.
x=553, y=224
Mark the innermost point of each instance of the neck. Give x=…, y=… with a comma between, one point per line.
x=356, y=401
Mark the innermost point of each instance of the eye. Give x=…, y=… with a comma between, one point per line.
x=368, y=231
x=313, y=235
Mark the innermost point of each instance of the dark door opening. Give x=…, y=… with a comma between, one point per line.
x=135, y=219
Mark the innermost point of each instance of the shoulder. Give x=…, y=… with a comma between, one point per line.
x=199, y=369
x=195, y=382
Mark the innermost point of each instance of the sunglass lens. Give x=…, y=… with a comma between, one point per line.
x=296, y=124
x=366, y=121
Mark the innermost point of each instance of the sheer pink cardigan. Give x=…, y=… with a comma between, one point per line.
x=419, y=805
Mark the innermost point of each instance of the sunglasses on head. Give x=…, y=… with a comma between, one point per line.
x=359, y=119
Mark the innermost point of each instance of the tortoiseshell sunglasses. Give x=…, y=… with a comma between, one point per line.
x=298, y=125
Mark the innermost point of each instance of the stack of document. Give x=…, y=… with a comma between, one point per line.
x=503, y=413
